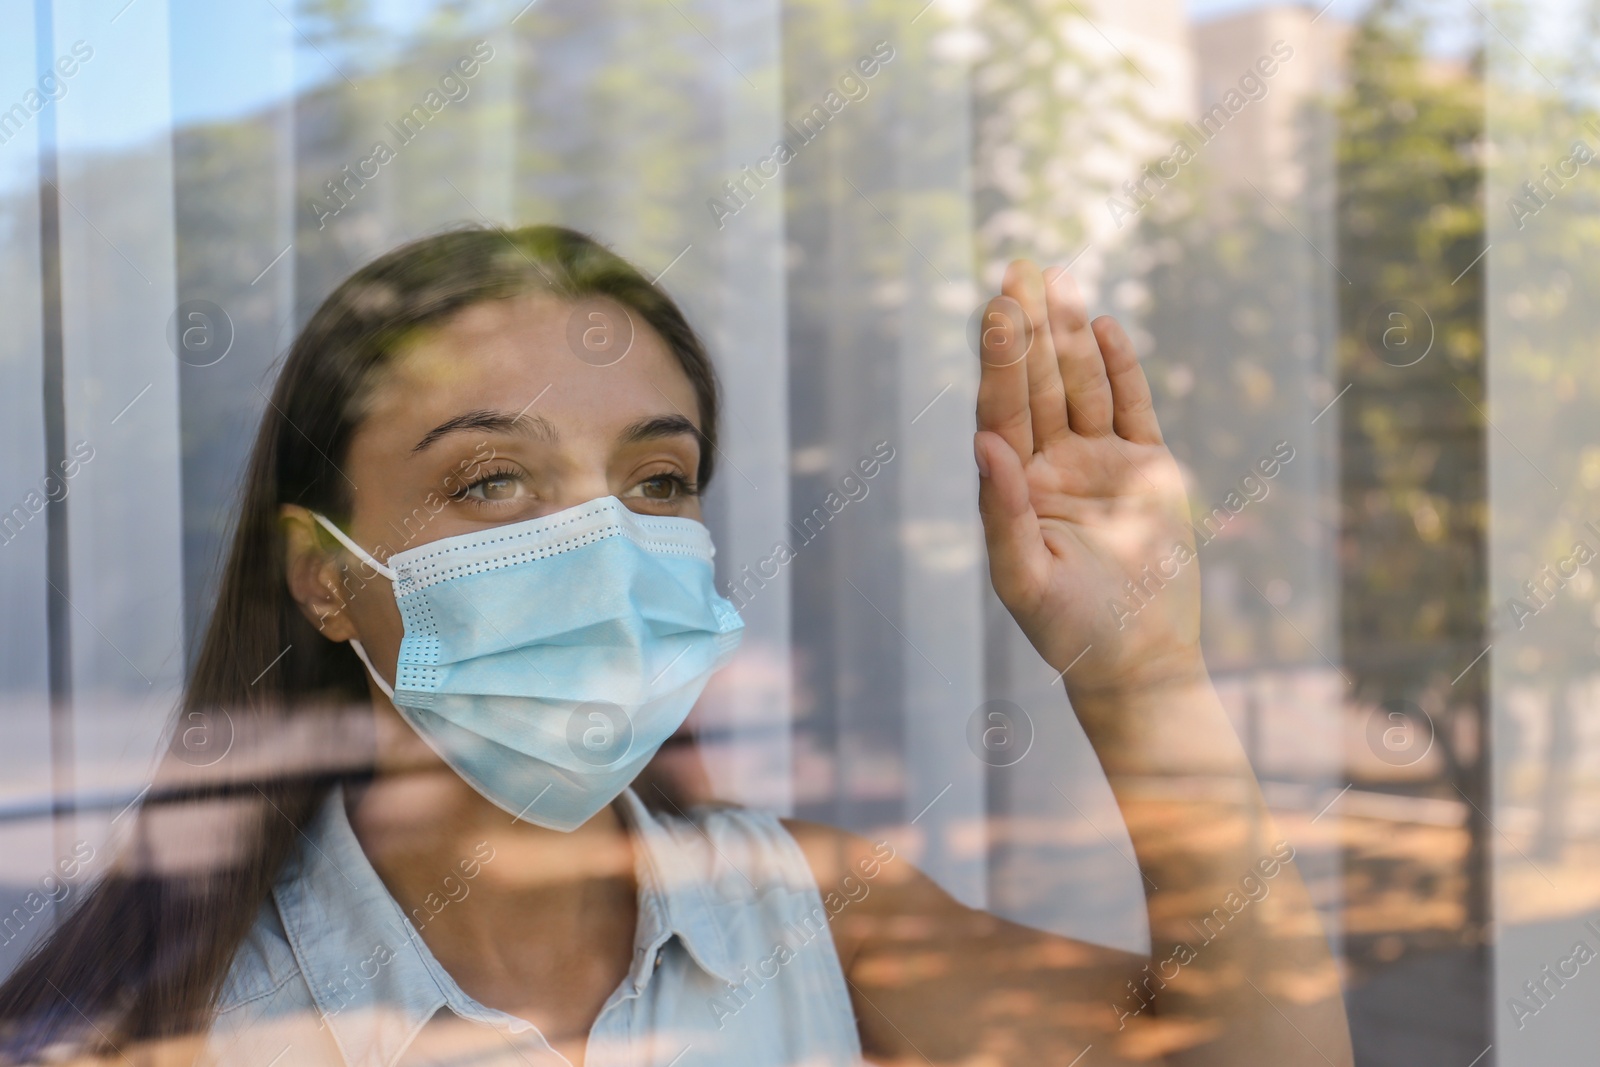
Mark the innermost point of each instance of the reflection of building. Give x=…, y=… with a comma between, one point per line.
x=1226, y=266
x=1260, y=68
x=1241, y=352
x=1398, y=456
x=1154, y=36
x=836, y=328
x=1123, y=77
x=1244, y=343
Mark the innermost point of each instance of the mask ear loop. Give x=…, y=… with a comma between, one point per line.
x=387, y=572
x=339, y=535
x=388, y=690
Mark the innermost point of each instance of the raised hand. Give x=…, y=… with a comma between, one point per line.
x=1083, y=506
x=1091, y=549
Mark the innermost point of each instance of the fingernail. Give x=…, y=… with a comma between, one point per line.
x=982, y=460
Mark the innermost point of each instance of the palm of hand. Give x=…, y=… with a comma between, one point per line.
x=1083, y=505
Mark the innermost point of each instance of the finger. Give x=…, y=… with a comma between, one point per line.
x=1135, y=410
x=1082, y=369
x=1003, y=379
x=1018, y=558
x=1046, y=396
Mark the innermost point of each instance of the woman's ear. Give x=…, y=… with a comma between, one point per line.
x=317, y=580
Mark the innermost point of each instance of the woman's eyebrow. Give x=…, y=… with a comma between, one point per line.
x=536, y=426
x=658, y=426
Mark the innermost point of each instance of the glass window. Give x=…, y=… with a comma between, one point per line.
x=1223, y=700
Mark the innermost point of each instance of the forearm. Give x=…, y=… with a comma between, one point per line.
x=1240, y=971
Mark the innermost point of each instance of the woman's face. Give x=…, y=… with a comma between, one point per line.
x=489, y=419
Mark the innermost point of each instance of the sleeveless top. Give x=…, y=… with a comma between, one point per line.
x=733, y=963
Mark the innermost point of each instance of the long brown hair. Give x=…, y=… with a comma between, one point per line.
x=144, y=953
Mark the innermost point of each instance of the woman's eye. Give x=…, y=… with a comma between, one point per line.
x=493, y=488
x=664, y=487
x=497, y=488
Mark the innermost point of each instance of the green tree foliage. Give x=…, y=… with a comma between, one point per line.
x=1236, y=322
x=1043, y=94
x=1234, y=300
x=1413, y=426
x=1410, y=225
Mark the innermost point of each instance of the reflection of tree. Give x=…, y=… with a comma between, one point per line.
x=1047, y=115
x=615, y=102
x=1241, y=342
x=593, y=114
x=345, y=26
x=1412, y=449
x=1410, y=222
x=1236, y=330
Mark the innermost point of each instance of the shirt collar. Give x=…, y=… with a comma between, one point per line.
x=675, y=888
x=361, y=958
x=375, y=982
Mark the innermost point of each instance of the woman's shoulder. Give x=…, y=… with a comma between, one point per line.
x=849, y=881
x=737, y=851
x=844, y=868
x=869, y=885
x=265, y=1005
x=263, y=965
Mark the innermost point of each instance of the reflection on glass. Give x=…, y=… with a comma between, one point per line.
x=941, y=798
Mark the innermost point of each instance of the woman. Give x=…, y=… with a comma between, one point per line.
x=471, y=515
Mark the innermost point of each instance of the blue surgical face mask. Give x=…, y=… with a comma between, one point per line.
x=546, y=661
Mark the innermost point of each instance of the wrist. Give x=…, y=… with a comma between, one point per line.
x=1155, y=675
x=1166, y=721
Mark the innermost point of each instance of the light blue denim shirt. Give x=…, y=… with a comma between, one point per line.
x=734, y=963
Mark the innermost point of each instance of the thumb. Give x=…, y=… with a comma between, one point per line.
x=1018, y=558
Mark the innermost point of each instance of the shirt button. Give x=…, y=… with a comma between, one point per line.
x=658, y=959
